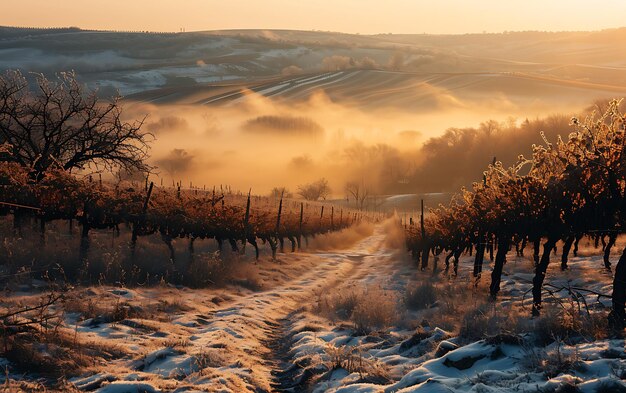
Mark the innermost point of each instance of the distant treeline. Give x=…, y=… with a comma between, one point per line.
x=458, y=157
x=17, y=31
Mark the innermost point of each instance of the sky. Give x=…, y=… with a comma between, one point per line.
x=349, y=16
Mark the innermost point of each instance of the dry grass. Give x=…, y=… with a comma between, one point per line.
x=370, y=309
x=554, y=362
x=354, y=360
x=109, y=260
x=99, y=311
x=377, y=310
x=57, y=353
x=463, y=308
x=421, y=296
x=569, y=324
x=206, y=269
x=489, y=319
x=247, y=276
x=343, y=239
x=209, y=358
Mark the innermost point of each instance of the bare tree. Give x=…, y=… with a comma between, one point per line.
x=314, y=191
x=359, y=192
x=60, y=123
x=278, y=192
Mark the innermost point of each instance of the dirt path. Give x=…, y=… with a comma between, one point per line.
x=243, y=344
x=254, y=327
x=270, y=341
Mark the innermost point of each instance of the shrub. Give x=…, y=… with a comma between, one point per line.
x=376, y=309
x=354, y=360
x=568, y=323
x=552, y=363
x=421, y=296
x=369, y=309
x=204, y=269
x=488, y=320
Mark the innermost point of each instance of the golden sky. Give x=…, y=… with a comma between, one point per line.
x=350, y=16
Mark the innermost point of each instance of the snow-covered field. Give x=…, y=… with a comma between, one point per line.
x=286, y=332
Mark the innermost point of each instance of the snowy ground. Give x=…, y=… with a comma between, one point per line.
x=273, y=337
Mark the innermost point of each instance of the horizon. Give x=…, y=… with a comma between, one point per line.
x=449, y=17
x=250, y=29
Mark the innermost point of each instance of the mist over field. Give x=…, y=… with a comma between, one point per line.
x=265, y=109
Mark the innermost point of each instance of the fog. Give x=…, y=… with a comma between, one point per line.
x=261, y=143
x=391, y=113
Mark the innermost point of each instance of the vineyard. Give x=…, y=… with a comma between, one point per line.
x=567, y=190
x=142, y=210
x=116, y=278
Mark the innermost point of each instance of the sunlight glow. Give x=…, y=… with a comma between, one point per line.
x=349, y=16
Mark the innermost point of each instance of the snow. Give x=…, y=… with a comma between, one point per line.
x=252, y=341
x=129, y=387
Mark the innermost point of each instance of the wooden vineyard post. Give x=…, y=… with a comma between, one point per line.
x=617, y=315
x=84, y=236
x=299, y=238
x=276, y=238
x=246, y=223
x=424, y=240
x=140, y=220
x=480, y=244
x=332, y=214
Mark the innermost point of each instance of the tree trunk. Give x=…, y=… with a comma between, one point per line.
x=139, y=222
x=167, y=239
x=299, y=242
x=191, y=250
x=540, y=274
x=496, y=274
x=578, y=237
x=457, y=256
x=447, y=260
x=607, y=250
x=425, y=252
x=618, y=313
x=536, y=245
x=567, y=246
x=233, y=245
x=425, y=245
x=84, y=245
x=273, y=245
x=252, y=240
x=415, y=255
x=480, y=255
x=299, y=237
x=293, y=243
